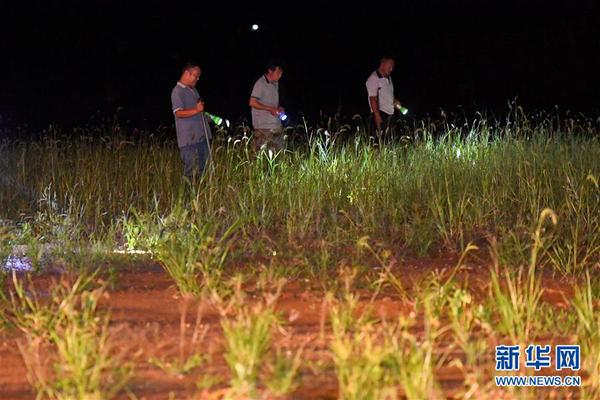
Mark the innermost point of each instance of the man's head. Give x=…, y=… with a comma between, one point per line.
x=190, y=73
x=274, y=70
x=386, y=66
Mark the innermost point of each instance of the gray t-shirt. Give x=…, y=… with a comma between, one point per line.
x=268, y=94
x=190, y=130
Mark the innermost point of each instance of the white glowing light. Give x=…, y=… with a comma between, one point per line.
x=255, y=27
x=131, y=251
x=20, y=264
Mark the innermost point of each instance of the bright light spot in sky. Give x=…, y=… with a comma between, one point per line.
x=254, y=27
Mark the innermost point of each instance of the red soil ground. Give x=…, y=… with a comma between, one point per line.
x=146, y=313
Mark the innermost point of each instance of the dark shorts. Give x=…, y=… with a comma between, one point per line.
x=194, y=157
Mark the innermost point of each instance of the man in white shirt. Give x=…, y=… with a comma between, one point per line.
x=380, y=90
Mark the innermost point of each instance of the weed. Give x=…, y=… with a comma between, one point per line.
x=588, y=337
x=282, y=371
x=38, y=318
x=192, y=252
x=178, y=367
x=413, y=364
x=84, y=363
x=360, y=362
x=247, y=339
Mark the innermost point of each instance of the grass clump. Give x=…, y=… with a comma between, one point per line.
x=360, y=361
x=585, y=304
x=37, y=316
x=71, y=354
x=377, y=359
x=248, y=333
x=283, y=371
x=191, y=253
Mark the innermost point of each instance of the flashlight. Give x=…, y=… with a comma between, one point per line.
x=282, y=115
x=403, y=110
x=217, y=120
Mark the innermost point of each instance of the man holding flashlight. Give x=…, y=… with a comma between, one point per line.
x=193, y=131
x=266, y=112
x=380, y=90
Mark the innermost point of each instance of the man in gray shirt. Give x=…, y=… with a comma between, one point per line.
x=264, y=102
x=193, y=131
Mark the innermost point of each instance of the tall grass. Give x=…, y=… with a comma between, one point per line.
x=577, y=249
x=517, y=299
x=442, y=188
x=450, y=185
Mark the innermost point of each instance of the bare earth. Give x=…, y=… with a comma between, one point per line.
x=146, y=315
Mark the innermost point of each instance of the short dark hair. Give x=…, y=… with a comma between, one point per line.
x=189, y=65
x=272, y=64
x=386, y=57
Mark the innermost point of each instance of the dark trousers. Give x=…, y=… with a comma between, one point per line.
x=387, y=124
x=194, y=157
x=269, y=138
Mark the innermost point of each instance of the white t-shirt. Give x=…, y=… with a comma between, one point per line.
x=383, y=89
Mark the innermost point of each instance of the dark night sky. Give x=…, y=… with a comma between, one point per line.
x=64, y=62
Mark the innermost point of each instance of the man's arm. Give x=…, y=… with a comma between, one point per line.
x=254, y=103
x=373, y=93
x=376, y=114
x=190, y=112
